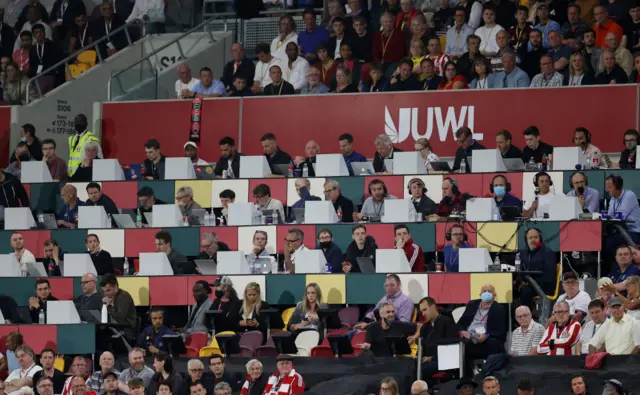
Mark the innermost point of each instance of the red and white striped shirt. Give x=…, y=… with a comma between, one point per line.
x=564, y=338
x=439, y=62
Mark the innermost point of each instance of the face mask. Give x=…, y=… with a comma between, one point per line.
x=325, y=244
x=80, y=128
x=486, y=297
x=23, y=139
x=388, y=321
x=499, y=191
x=219, y=294
x=24, y=157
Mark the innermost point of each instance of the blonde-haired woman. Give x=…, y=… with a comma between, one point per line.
x=389, y=386
x=630, y=301
x=578, y=75
x=249, y=318
x=305, y=316
x=343, y=81
x=423, y=146
x=417, y=52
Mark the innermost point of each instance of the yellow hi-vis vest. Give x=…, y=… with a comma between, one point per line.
x=76, y=149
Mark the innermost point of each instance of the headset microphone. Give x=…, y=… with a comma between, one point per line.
x=580, y=191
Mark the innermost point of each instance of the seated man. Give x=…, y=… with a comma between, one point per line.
x=578, y=300
x=412, y=251
x=97, y=198
x=597, y=318
x=259, y=250
x=217, y=372
x=23, y=376
x=387, y=326
x=452, y=200
x=99, y=379
x=505, y=146
x=527, y=336
x=384, y=150
x=47, y=360
x=538, y=204
x=120, y=305
x=593, y=156
x=303, y=188
x=197, y=321
x=536, y=256
x=467, y=144
x=624, y=268
x=68, y=215
x=227, y=196
x=421, y=202
x=619, y=335
x=348, y=152
x=311, y=149
x=262, y=196
x=155, y=159
x=362, y=246
x=136, y=370
x=589, y=198
x=458, y=238
x=332, y=252
x=484, y=326
x=273, y=153
x=146, y=201
x=373, y=206
x=285, y=377
x=184, y=197
x=101, y=259
x=53, y=256
x=38, y=303
x=210, y=246
x=562, y=335
x=623, y=203
x=501, y=189
x=151, y=337
x=342, y=205
x=228, y=165
x=90, y=298
x=163, y=244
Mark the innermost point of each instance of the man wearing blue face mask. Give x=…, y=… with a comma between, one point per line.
x=483, y=327
x=501, y=189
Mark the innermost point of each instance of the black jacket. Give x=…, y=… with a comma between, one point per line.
x=83, y=174
x=59, y=379
x=223, y=164
x=617, y=74
x=99, y=30
x=221, y=247
x=465, y=154
x=284, y=88
x=441, y=332
x=347, y=208
x=426, y=206
x=496, y=320
x=410, y=84
x=262, y=322
x=537, y=154
x=278, y=158
x=6, y=44
x=228, y=321
x=43, y=306
x=246, y=69
x=102, y=262
x=35, y=149
x=542, y=259
x=12, y=192
x=625, y=163
x=68, y=16
x=9, y=309
x=512, y=153
x=353, y=253
x=378, y=160
x=588, y=79
x=51, y=54
x=106, y=202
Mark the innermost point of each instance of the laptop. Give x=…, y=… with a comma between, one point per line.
x=207, y=267
x=205, y=172
x=36, y=269
x=388, y=165
x=48, y=221
x=510, y=213
x=265, y=263
x=90, y=316
x=149, y=217
x=184, y=267
x=280, y=169
x=366, y=265
x=132, y=172
x=362, y=168
x=513, y=164
x=440, y=166
x=298, y=213
x=269, y=213
x=124, y=221
x=197, y=216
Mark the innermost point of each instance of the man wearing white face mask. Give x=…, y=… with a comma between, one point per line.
x=483, y=326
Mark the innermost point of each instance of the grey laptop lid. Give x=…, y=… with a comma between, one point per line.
x=197, y=216
x=207, y=266
x=366, y=265
x=36, y=269
x=513, y=164
x=124, y=221
x=298, y=213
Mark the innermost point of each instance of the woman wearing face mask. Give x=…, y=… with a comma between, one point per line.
x=483, y=326
x=226, y=301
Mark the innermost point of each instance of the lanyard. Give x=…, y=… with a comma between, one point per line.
x=518, y=35
x=264, y=72
x=84, y=33
x=385, y=45
x=278, y=45
x=618, y=202
x=63, y=8
x=40, y=53
x=482, y=85
x=458, y=39
x=107, y=28
x=488, y=37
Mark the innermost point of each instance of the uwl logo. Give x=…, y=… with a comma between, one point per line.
x=408, y=123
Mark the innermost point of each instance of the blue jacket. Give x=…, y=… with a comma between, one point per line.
x=333, y=255
x=305, y=196
x=452, y=258
x=149, y=337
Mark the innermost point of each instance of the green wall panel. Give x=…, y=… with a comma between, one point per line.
x=365, y=288
x=352, y=188
x=76, y=339
x=163, y=190
x=21, y=289
x=285, y=289
x=185, y=240
x=70, y=240
x=46, y=197
x=424, y=234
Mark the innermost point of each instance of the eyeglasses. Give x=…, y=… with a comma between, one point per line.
x=328, y=191
x=258, y=197
x=457, y=234
x=561, y=312
x=43, y=385
x=629, y=140
x=196, y=370
x=290, y=241
x=86, y=282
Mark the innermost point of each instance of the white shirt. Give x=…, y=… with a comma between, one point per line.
x=619, y=338
x=27, y=256
x=431, y=157
x=154, y=9
x=588, y=331
x=262, y=71
x=21, y=374
x=293, y=255
x=188, y=86
x=580, y=302
x=544, y=203
x=488, y=37
x=48, y=33
x=297, y=74
x=275, y=204
x=279, y=47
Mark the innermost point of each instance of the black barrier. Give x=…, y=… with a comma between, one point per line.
x=552, y=375
x=337, y=376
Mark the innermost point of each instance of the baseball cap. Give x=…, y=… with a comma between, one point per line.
x=190, y=144
x=224, y=280
x=110, y=373
x=569, y=276
x=615, y=301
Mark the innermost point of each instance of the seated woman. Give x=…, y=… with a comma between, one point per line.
x=343, y=81
x=417, y=52
x=165, y=374
x=452, y=80
x=305, y=316
x=256, y=379
x=483, y=78
x=84, y=173
x=325, y=64
x=346, y=59
x=423, y=146
x=226, y=301
x=249, y=318
x=578, y=74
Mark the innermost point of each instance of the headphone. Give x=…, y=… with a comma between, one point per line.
x=377, y=181
x=447, y=236
x=529, y=230
x=418, y=180
x=541, y=174
x=617, y=181
x=507, y=186
x=587, y=134
x=586, y=178
x=454, y=185
x=616, y=385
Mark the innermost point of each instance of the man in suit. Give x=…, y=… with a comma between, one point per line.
x=384, y=150
x=483, y=326
x=240, y=65
x=197, y=321
x=421, y=202
x=104, y=26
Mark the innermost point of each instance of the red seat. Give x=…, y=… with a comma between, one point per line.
x=322, y=351
x=325, y=341
x=349, y=316
x=194, y=342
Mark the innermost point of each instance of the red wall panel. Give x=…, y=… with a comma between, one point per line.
x=5, y=130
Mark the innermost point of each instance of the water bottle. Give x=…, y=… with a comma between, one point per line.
x=550, y=162
x=40, y=218
x=518, y=262
x=339, y=212
x=104, y=314
x=109, y=221
x=305, y=170
x=185, y=221
x=290, y=171
x=274, y=266
x=463, y=166
x=531, y=164
x=207, y=218
x=274, y=217
x=256, y=215
x=125, y=267
x=23, y=270
x=41, y=319
x=263, y=219
x=596, y=164
x=418, y=216
x=138, y=218
x=496, y=264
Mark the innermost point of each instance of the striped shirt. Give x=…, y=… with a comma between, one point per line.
x=523, y=341
x=439, y=61
x=564, y=338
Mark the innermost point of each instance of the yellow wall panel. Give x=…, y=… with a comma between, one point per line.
x=494, y=235
x=201, y=190
x=333, y=286
x=138, y=287
x=503, y=282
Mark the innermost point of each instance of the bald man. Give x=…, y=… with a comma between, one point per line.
x=419, y=387
x=68, y=216
x=311, y=149
x=90, y=298
x=185, y=81
x=21, y=253
x=238, y=66
x=623, y=57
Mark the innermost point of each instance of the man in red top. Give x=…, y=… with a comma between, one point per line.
x=388, y=44
x=285, y=381
x=604, y=25
x=411, y=250
x=562, y=335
